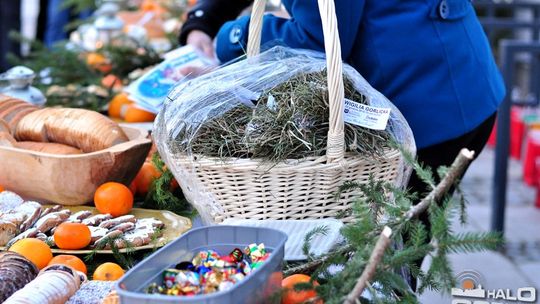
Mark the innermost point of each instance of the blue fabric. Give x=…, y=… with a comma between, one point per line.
x=57, y=18
x=431, y=58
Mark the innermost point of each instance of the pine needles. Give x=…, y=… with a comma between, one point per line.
x=412, y=241
x=289, y=121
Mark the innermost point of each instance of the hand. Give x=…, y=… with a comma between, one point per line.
x=201, y=41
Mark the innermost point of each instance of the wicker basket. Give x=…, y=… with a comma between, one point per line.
x=296, y=189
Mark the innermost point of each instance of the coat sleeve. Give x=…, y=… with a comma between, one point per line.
x=209, y=15
x=302, y=30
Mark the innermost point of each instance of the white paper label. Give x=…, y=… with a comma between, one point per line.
x=365, y=116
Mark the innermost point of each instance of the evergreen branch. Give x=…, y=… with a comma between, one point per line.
x=306, y=247
x=369, y=270
x=472, y=242
x=312, y=265
x=454, y=172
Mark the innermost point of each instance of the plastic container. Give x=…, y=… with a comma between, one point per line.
x=260, y=286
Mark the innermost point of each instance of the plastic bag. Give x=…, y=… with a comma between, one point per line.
x=193, y=104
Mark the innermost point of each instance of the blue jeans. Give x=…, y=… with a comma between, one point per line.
x=57, y=18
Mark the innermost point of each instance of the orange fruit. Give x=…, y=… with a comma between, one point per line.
x=2, y=188
x=108, y=272
x=72, y=236
x=112, y=81
x=118, y=105
x=146, y=175
x=151, y=6
x=113, y=198
x=37, y=251
x=69, y=260
x=133, y=188
x=292, y=296
x=98, y=62
x=136, y=114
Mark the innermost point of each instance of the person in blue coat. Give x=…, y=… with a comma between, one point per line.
x=431, y=58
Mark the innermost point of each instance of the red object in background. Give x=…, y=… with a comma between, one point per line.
x=532, y=153
x=517, y=132
x=537, y=202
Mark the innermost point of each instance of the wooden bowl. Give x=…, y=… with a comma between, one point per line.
x=71, y=179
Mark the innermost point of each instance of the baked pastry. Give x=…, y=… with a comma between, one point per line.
x=95, y=220
x=4, y=127
x=87, y=130
x=30, y=233
x=15, y=272
x=54, y=284
x=52, y=209
x=124, y=227
x=117, y=221
x=31, y=211
x=9, y=201
x=6, y=140
x=8, y=230
x=79, y=216
x=51, y=220
x=92, y=292
x=32, y=126
x=103, y=242
x=97, y=233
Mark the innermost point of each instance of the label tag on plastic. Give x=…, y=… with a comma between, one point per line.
x=365, y=116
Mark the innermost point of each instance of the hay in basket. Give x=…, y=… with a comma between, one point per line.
x=264, y=138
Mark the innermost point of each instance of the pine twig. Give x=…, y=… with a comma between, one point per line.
x=310, y=266
x=454, y=172
x=371, y=267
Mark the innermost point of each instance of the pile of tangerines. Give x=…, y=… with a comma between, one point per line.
x=113, y=198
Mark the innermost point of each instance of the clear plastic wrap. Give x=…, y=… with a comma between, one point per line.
x=193, y=103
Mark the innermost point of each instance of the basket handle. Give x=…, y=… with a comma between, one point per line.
x=335, y=149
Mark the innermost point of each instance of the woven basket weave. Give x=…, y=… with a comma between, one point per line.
x=296, y=189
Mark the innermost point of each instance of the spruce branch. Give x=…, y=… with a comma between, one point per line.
x=369, y=271
x=455, y=171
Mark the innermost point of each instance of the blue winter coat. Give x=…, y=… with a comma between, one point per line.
x=429, y=57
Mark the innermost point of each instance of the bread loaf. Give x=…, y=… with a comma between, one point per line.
x=84, y=129
x=32, y=126
x=16, y=116
x=47, y=147
x=6, y=140
x=8, y=102
x=4, y=127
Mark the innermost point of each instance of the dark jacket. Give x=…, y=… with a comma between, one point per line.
x=431, y=58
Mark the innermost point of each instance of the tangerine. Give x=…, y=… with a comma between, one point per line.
x=69, y=260
x=136, y=114
x=146, y=175
x=108, y=272
x=293, y=296
x=37, y=251
x=72, y=236
x=133, y=188
x=112, y=81
x=118, y=105
x=98, y=62
x=113, y=198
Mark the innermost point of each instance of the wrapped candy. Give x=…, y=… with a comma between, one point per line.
x=209, y=272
